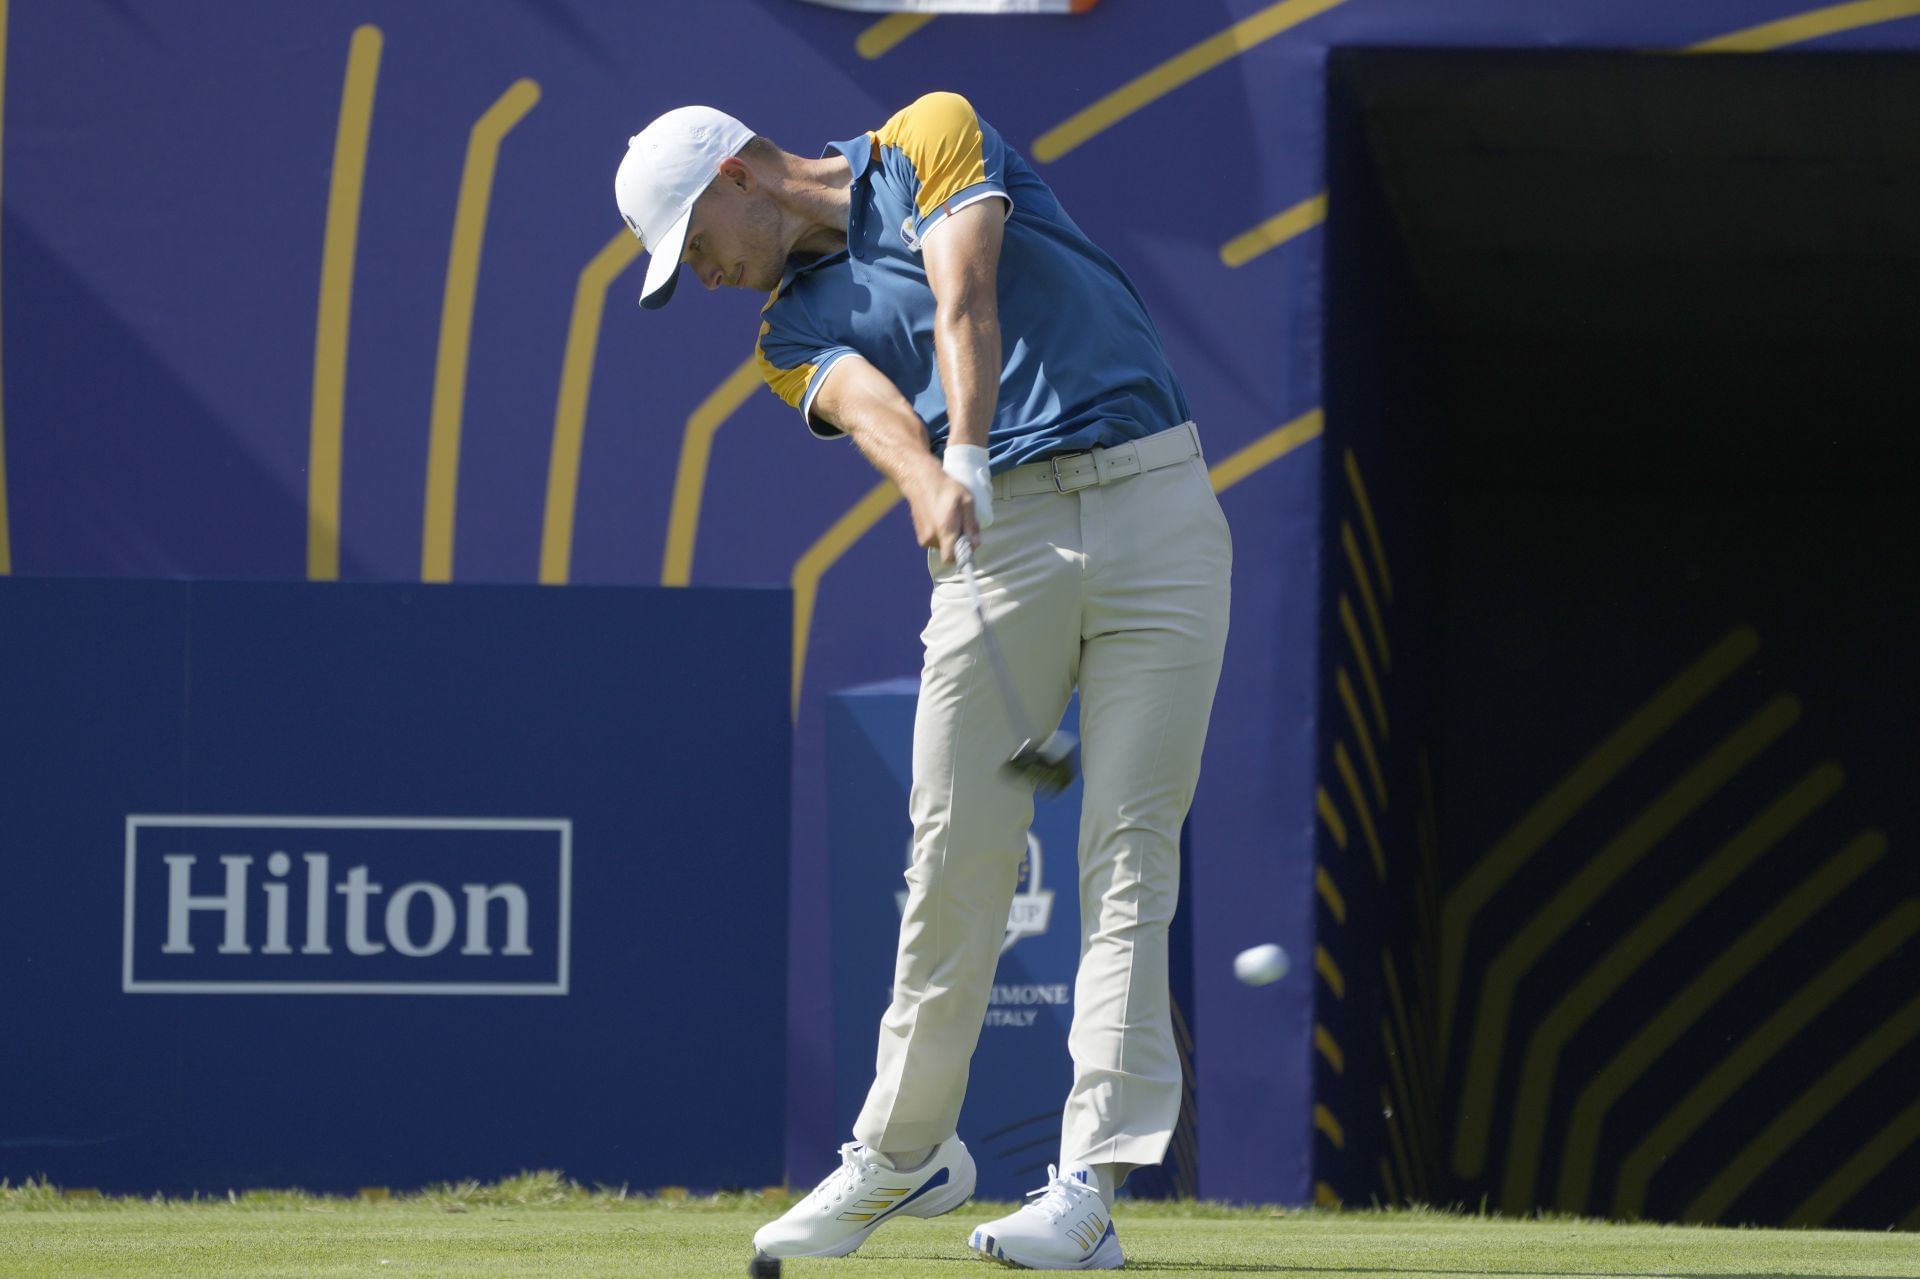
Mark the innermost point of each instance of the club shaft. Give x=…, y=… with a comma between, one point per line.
x=1004, y=677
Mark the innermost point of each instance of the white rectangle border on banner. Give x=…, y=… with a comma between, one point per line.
x=563, y=826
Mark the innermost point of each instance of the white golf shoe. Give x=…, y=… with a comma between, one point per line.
x=862, y=1194
x=1066, y=1227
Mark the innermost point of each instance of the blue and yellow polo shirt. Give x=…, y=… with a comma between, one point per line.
x=1082, y=364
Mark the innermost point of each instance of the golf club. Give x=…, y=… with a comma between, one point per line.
x=1050, y=765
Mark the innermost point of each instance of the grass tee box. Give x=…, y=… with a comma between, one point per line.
x=334, y=886
x=540, y=1224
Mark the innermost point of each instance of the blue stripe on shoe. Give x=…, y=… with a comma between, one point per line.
x=938, y=1179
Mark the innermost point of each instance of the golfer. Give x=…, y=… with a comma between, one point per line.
x=929, y=298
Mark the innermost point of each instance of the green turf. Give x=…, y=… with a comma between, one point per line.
x=540, y=1225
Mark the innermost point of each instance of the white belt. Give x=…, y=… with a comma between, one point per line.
x=1067, y=472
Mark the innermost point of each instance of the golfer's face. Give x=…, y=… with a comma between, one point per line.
x=731, y=241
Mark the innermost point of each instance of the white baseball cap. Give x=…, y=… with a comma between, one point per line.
x=667, y=165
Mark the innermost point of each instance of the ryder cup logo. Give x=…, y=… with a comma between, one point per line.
x=347, y=905
x=908, y=235
x=1032, y=905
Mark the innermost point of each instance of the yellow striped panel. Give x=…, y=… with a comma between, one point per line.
x=1329, y=972
x=1365, y=508
x=6, y=537
x=1275, y=231
x=1329, y=1048
x=1745, y=1058
x=1323, y=884
x=1344, y=763
x=339, y=248
x=690, y=481
x=1569, y=795
x=1174, y=72
x=1324, y=1196
x=1323, y=804
x=818, y=558
x=1360, y=659
x=1266, y=450
x=456, y=323
x=1809, y=1108
x=1324, y=1121
x=1548, y=924
x=1367, y=600
x=1866, y=1163
x=1361, y=735
x=1657, y=927
x=1811, y=25
x=879, y=39
x=570, y=410
x=1665, y=1026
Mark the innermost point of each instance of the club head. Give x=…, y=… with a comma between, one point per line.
x=1050, y=765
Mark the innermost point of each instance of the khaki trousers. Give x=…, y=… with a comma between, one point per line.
x=1122, y=591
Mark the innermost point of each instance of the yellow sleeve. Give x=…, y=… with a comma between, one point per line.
x=940, y=135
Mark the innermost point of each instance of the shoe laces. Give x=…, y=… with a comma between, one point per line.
x=1059, y=1197
x=838, y=1184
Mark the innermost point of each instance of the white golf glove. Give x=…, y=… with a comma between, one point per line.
x=967, y=463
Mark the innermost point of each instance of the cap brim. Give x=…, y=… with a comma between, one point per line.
x=663, y=264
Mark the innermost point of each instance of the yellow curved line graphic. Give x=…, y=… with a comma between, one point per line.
x=879, y=39
x=1798, y=1119
x=818, y=558
x=1174, y=72
x=1672, y=1019
x=570, y=410
x=1549, y=923
x=1323, y=1120
x=1361, y=735
x=1367, y=678
x=1745, y=1058
x=1329, y=972
x=6, y=540
x=1366, y=520
x=1612, y=970
x=1336, y=904
x=690, y=481
x=1275, y=231
x=1325, y=1196
x=1866, y=1163
x=1266, y=450
x=1810, y=25
x=1568, y=796
x=456, y=323
x=1323, y=804
x=1325, y=1044
x=337, y=256
x=1364, y=581
x=1344, y=763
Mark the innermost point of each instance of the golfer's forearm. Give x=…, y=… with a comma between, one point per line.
x=894, y=440
x=966, y=341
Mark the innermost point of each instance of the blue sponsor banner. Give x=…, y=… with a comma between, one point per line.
x=347, y=905
x=346, y=885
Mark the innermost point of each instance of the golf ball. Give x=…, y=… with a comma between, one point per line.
x=1260, y=965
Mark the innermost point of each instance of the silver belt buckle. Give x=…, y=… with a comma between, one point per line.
x=1053, y=466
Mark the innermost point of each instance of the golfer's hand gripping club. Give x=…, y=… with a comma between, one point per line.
x=1051, y=765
